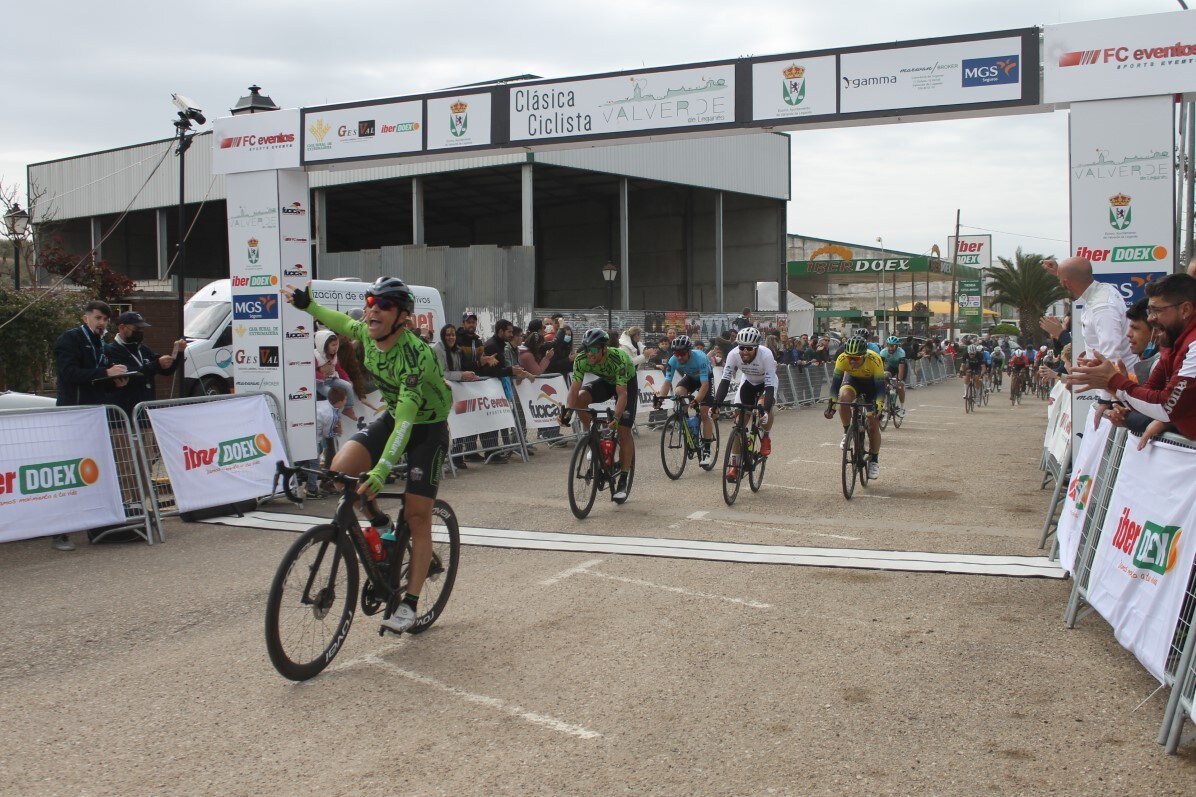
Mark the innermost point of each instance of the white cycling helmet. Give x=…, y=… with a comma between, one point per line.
x=972, y=347
x=748, y=336
x=1042, y=348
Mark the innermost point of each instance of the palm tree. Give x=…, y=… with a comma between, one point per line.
x=1026, y=285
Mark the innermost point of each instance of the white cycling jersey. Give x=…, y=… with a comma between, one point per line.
x=763, y=369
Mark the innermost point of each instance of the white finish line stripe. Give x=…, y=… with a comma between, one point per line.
x=916, y=561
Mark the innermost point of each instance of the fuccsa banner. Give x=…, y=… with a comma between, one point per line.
x=218, y=452
x=57, y=474
x=1144, y=554
x=542, y=399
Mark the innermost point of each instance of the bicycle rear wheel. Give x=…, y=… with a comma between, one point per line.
x=442, y=572
x=887, y=411
x=310, y=606
x=584, y=470
x=673, y=451
x=714, y=445
x=758, y=463
x=861, y=455
x=733, y=473
x=849, y=471
x=898, y=417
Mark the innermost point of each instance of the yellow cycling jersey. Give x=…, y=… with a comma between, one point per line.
x=872, y=367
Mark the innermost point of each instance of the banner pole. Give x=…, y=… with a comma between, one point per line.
x=954, y=276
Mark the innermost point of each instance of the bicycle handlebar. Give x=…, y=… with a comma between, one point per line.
x=378, y=519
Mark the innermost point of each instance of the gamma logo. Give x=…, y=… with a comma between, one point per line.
x=49, y=477
x=228, y=453
x=1153, y=547
x=990, y=71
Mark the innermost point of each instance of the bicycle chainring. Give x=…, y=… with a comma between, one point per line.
x=371, y=602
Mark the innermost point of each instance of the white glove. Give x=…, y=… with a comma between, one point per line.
x=764, y=418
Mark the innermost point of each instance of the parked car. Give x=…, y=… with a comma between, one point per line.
x=11, y=400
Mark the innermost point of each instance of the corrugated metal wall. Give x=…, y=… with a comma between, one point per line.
x=494, y=282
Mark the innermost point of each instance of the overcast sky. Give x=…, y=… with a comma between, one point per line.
x=84, y=76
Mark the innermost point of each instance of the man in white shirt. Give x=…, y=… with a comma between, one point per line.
x=1102, y=316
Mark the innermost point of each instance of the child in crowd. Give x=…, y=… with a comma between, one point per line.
x=328, y=426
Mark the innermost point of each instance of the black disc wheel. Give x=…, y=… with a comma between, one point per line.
x=848, y=468
x=442, y=572
x=584, y=471
x=756, y=474
x=310, y=606
x=732, y=470
x=673, y=451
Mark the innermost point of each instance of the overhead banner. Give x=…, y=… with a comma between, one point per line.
x=362, y=131
x=901, y=264
x=218, y=452
x=955, y=73
x=57, y=474
x=256, y=142
x=541, y=400
x=794, y=88
x=975, y=251
x=1144, y=554
x=459, y=121
x=1137, y=56
x=623, y=103
x=1123, y=190
x=971, y=303
x=1078, y=502
x=480, y=406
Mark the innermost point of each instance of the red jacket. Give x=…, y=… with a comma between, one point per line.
x=1171, y=386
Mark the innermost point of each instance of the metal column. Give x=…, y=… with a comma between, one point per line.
x=162, y=248
x=718, y=252
x=624, y=245
x=528, y=203
x=417, y=211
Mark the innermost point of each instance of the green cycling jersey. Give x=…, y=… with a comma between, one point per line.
x=616, y=368
x=408, y=375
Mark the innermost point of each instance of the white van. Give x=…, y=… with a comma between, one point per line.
x=207, y=325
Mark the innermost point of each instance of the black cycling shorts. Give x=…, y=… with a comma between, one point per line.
x=426, y=450
x=602, y=391
x=749, y=393
x=692, y=385
x=974, y=368
x=865, y=387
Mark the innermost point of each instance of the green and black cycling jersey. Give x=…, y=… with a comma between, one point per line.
x=408, y=375
x=617, y=368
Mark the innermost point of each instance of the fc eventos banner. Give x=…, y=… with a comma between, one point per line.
x=57, y=474
x=480, y=406
x=218, y=452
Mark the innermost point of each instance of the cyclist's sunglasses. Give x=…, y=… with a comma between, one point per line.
x=380, y=302
x=591, y=349
x=747, y=348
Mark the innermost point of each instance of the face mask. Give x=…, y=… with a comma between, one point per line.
x=136, y=336
x=568, y=338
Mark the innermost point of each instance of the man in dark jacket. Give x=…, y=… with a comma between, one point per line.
x=130, y=350
x=79, y=362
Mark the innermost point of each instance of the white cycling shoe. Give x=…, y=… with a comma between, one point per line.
x=401, y=620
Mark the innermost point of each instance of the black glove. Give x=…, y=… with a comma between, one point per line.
x=302, y=298
x=657, y=402
x=566, y=417
x=768, y=399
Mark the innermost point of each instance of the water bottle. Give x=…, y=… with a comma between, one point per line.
x=693, y=426
x=373, y=537
x=607, y=446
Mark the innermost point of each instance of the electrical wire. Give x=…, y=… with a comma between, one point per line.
x=84, y=258
x=1018, y=234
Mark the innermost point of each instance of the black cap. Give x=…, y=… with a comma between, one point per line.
x=132, y=318
x=468, y=315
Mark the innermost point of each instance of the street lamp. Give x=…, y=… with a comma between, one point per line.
x=881, y=284
x=188, y=113
x=15, y=221
x=610, y=273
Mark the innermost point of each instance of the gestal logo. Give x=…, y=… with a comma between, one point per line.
x=268, y=356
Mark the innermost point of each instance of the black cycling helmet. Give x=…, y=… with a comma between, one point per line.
x=395, y=290
x=681, y=343
x=595, y=339
x=855, y=347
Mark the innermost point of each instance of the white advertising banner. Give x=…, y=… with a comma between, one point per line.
x=624, y=103
x=650, y=381
x=541, y=399
x=975, y=251
x=794, y=88
x=462, y=121
x=256, y=142
x=480, y=406
x=1136, y=56
x=1060, y=441
x=57, y=474
x=1084, y=466
x=958, y=73
x=1059, y=395
x=1145, y=551
x=1123, y=189
x=218, y=452
x=362, y=131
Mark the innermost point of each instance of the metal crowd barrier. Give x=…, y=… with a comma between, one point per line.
x=1181, y=704
x=129, y=474
x=1102, y=490
x=160, y=490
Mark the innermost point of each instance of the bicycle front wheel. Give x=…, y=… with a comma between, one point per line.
x=756, y=474
x=848, y=475
x=732, y=472
x=673, y=451
x=442, y=572
x=584, y=470
x=898, y=417
x=886, y=412
x=310, y=606
x=714, y=445
x=861, y=455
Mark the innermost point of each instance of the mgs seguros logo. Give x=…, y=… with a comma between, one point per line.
x=255, y=307
x=48, y=477
x=990, y=71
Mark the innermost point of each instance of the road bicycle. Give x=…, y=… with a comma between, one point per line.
x=742, y=454
x=892, y=409
x=680, y=437
x=855, y=446
x=314, y=595
x=998, y=378
x=590, y=470
x=969, y=399
x=1016, y=387
x=986, y=389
